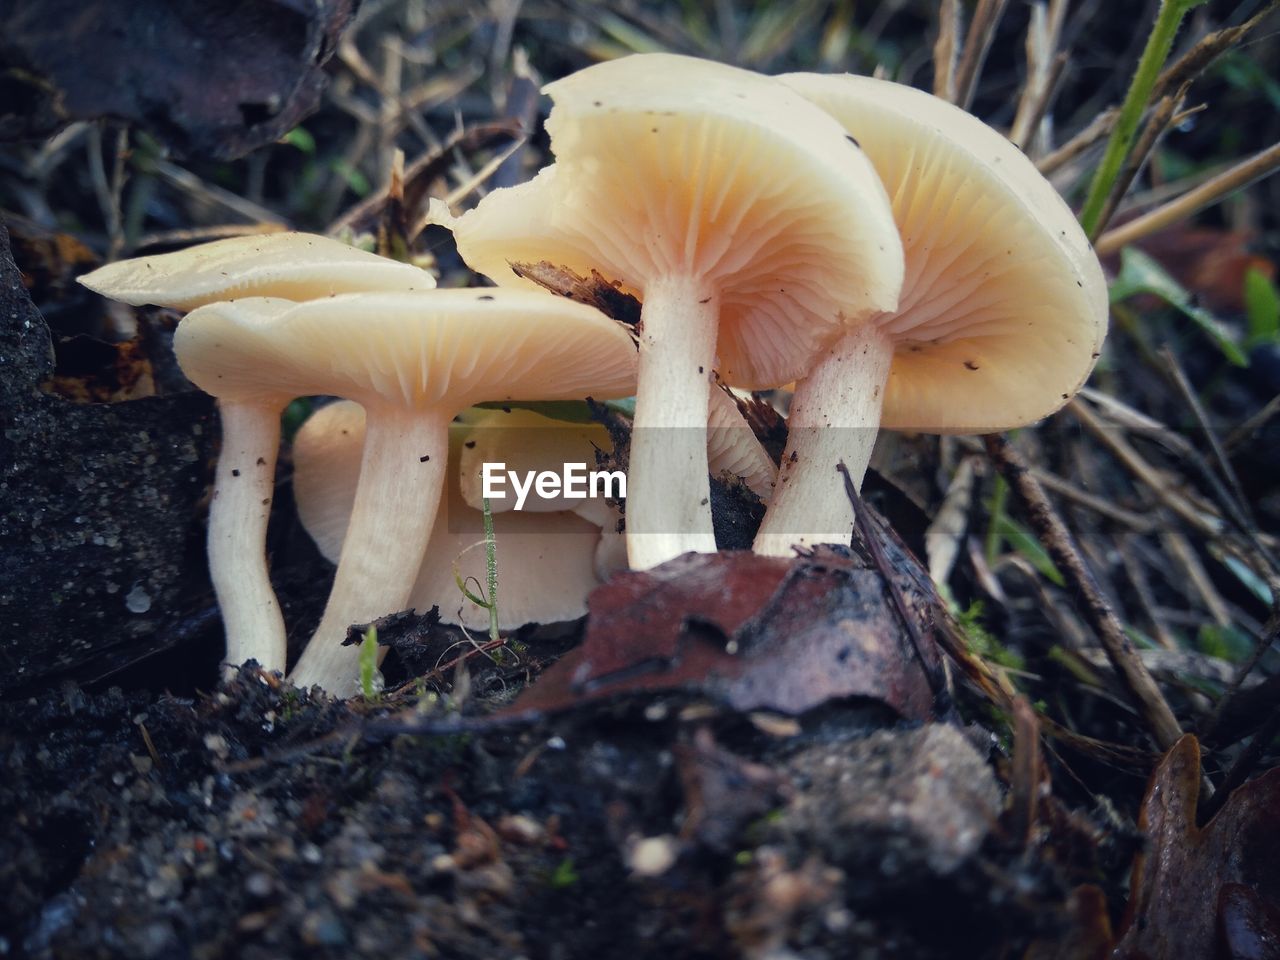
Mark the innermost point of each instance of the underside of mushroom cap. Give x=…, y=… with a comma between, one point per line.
x=525, y=442
x=294, y=266
x=1004, y=306
x=673, y=166
x=411, y=349
x=545, y=560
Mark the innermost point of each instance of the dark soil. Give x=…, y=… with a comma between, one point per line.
x=259, y=822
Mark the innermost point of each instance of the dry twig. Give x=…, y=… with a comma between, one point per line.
x=977, y=42
x=1260, y=165
x=1056, y=539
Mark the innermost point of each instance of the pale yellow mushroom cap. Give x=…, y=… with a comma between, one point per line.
x=546, y=561
x=669, y=165
x=293, y=266
x=453, y=347
x=1004, y=307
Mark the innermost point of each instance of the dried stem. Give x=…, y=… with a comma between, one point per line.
x=1193, y=201
x=1053, y=534
x=945, y=50
x=1159, y=43
x=1157, y=123
x=982, y=31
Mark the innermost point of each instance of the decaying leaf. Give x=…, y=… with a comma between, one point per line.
x=754, y=633
x=1204, y=891
x=214, y=80
x=606, y=296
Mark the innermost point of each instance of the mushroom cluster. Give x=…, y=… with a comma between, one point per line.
x=899, y=260
x=412, y=356
x=902, y=260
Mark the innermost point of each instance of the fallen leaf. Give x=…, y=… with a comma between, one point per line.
x=1183, y=887
x=211, y=80
x=754, y=633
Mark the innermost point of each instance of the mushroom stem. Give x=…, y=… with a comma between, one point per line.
x=835, y=416
x=668, y=489
x=238, y=515
x=402, y=474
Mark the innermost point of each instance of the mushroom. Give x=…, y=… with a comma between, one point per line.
x=412, y=360
x=1001, y=318
x=293, y=266
x=296, y=266
x=546, y=552
x=742, y=215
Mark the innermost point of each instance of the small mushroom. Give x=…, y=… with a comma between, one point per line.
x=547, y=554
x=1001, y=318
x=740, y=213
x=412, y=360
x=291, y=266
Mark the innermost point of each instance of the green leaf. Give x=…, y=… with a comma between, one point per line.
x=356, y=180
x=1255, y=584
x=1139, y=273
x=300, y=138
x=370, y=681
x=564, y=875
x=1261, y=307
x=1227, y=643
x=1022, y=540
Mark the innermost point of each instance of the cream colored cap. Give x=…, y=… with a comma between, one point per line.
x=1004, y=307
x=293, y=266
x=455, y=347
x=672, y=165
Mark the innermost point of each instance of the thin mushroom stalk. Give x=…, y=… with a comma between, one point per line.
x=402, y=474
x=835, y=416
x=238, y=514
x=669, y=491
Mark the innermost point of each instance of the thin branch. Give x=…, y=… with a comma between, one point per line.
x=1157, y=123
x=1193, y=201
x=1053, y=534
x=1194, y=62
x=945, y=50
x=1098, y=127
x=1241, y=502
x=982, y=31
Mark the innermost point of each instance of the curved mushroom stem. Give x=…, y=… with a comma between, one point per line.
x=835, y=416
x=402, y=474
x=238, y=516
x=668, y=489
